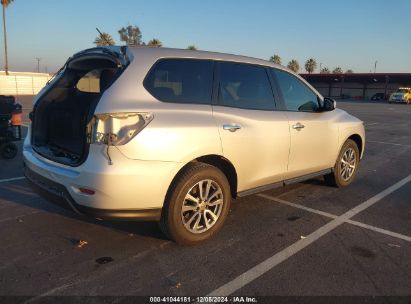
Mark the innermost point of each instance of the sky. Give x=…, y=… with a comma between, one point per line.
x=352, y=34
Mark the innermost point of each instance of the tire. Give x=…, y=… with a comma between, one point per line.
x=196, y=223
x=8, y=150
x=343, y=175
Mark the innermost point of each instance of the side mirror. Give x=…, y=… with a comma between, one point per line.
x=329, y=104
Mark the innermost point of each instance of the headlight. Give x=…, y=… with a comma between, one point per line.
x=116, y=129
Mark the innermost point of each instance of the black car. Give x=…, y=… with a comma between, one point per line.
x=378, y=96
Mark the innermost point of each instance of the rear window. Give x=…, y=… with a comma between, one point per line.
x=96, y=80
x=181, y=81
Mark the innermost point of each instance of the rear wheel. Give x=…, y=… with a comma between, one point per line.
x=8, y=150
x=346, y=166
x=196, y=205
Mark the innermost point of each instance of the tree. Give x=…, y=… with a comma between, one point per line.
x=325, y=70
x=155, y=43
x=294, y=66
x=310, y=65
x=5, y=4
x=338, y=70
x=131, y=35
x=276, y=59
x=104, y=39
x=349, y=71
x=192, y=47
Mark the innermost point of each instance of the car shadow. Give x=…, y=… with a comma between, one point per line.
x=19, y=193
x=319, y=181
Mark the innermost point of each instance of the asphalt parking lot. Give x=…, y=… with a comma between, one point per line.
x=306, y=239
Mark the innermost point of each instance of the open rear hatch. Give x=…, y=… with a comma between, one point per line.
x=66, y=106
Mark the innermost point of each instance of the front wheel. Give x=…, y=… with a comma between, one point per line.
x=197, y=204
x=346, y=166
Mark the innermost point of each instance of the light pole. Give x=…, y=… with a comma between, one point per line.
x=38, y=64
x=375, y=66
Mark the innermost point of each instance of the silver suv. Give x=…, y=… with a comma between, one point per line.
x=173, y=135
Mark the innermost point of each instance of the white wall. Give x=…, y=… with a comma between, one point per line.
x=22, y=83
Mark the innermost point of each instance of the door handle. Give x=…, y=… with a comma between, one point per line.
x=298, y=126
x=231, y=128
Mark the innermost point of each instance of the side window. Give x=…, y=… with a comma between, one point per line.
x=297, y=96
x=181, y=81
x=245, y=86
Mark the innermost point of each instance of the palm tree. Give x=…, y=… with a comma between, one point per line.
x=276, y=59
x=5, y=4
x=104, y=39
x=338, y=70
x=349, y=71
x=294, y=66
x=192, y=47
x=325, y=70
x=310, y=65
x=155, y=43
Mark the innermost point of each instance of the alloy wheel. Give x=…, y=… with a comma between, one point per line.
x=348, y=164
x=202, y=206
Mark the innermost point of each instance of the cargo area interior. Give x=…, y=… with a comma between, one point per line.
x=61, y=114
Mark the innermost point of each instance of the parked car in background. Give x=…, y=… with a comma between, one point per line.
x=378, y=96
x=402, y=95
x=173, y=135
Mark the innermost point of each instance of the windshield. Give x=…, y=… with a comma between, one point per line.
x=402, y=91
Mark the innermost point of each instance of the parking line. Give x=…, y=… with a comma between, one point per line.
x=326, y=214
x=387, y=143
x=380, y=230
x=281, y=201
x=11, y=179
x=260, y=269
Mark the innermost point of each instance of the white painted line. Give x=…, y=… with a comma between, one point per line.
x=278, y=200
x=380, y=230
x=11, y=179
x=387, y=143
x=258, y=270
x=371, y=124
x=326, y=214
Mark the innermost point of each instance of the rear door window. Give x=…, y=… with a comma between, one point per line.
x=181, y=81
x=245, y=86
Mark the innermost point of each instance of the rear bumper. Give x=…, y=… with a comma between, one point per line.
x=58, y=194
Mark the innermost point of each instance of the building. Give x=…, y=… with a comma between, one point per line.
x=358, y=85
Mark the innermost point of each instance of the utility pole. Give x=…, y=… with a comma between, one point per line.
x=6, y=64
x=38, y=64
x=375, y=66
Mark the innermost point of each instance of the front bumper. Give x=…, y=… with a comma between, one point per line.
x=398, y=100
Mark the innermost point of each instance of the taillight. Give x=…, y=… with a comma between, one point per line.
x=116, y=129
